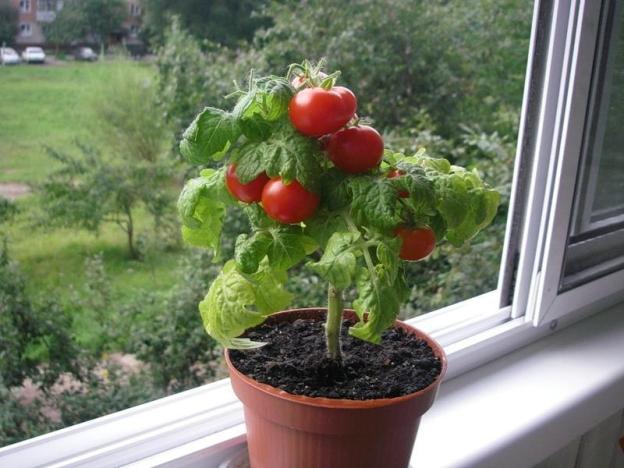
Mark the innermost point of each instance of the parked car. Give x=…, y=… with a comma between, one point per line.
x=86, y=54
x=33, y=55
x=8, y=56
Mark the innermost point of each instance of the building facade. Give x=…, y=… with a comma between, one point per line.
x=33, y=14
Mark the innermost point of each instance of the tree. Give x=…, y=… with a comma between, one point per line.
x=95, y=188
x=8, y=22
x=66, y=27
x=462, y=62
x=96, y=19
x=224, y=22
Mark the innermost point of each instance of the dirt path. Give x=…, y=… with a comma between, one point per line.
x=14, y=190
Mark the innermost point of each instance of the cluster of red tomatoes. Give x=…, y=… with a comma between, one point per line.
x=323, y=113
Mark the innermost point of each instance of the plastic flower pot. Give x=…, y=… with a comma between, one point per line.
x=293, y=431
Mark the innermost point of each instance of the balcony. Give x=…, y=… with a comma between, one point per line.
x=46, y=16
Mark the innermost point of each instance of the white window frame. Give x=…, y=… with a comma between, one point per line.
x=25, y=6
x=25, y=29
x=552, y=192
x=207, y=422
x=46, y=5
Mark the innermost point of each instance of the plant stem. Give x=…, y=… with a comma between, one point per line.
x=367, y=258
x=334, y=323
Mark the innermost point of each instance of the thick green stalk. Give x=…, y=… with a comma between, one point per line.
x=334, y=322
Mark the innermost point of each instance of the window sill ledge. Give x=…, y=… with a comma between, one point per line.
x=513, y=412
x=523, y=407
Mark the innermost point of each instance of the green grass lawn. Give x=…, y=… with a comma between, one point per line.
x=50, y=106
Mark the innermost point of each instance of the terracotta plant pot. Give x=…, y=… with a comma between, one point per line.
x=292, y=431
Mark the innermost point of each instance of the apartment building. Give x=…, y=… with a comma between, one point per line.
x=34, y=13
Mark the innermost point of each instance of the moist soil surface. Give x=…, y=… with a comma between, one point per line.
x=295, y=361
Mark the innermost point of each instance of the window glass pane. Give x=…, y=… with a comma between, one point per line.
x=597, y=240
x=95, y=284
x=603, y=184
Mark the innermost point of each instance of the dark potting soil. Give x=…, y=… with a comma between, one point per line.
x=295, y=361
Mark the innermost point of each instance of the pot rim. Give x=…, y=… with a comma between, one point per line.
x=344, y=403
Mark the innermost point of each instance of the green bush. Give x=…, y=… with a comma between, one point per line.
x=36, y=341
x=170, y=337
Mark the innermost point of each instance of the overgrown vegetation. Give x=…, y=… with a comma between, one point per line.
x=8, y=22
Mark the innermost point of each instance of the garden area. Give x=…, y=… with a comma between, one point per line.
x=99, y=294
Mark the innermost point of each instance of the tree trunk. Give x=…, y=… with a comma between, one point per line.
x=134, y=254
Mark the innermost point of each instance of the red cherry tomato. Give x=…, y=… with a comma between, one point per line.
x=248, y=193
x=317, y=111
x=396, y=173
x=288, y=203
x=356, y=149
x=417, y=243
x=348, y=98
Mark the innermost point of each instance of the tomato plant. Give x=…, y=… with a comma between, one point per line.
x=318, y=111
x=348, y=221
x=356, y=149
x=288, y=203
x=248, y=193
x=416, y=243
x=396, y=173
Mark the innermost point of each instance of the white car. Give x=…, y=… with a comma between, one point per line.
x=33, y=55
x=8, y=56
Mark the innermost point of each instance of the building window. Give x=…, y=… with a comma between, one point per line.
x=24, y=6
x=46, y=5
x=25, y=30
x=135, y=10
x=134, y=30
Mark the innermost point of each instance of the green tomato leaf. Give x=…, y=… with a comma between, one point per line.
x=440, y=165
x=286, y=154
x=228, y=308
x=285, y=247
x=201, y=207
x=452, y=199
x=208, y=233
x=480, y=213
x=338, y=263
x=269, y=289
x=258, y=217
x=209, y=186
x=250, y=251
x=381, y=298
x=419, y=187
x=288, y=247
x=257, y=110
x=335, y=193
x=323, y=225
x=387, y=253
x=209, y=136
x=375, y=202
x=463, y=203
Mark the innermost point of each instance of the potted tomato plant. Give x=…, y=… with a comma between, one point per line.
x=326, y=386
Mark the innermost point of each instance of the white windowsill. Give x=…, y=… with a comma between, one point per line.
x=521, y=408
x=514, y=411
